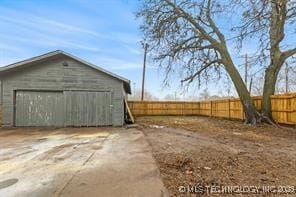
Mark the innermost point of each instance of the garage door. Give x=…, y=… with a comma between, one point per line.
x=88, y=108
x=39, y=108
x=69, y=108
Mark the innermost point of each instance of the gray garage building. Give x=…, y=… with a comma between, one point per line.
x=59, y=89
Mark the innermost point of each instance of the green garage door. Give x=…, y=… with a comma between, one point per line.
x=39, y=108
x=69, y=108
x=88, y=108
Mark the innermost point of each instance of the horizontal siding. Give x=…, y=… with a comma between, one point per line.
x=52, y=75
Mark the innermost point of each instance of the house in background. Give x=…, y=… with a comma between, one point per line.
x=59, y=89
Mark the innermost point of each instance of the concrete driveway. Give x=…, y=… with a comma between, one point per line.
x=77, y=162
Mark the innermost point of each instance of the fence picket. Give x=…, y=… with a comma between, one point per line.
x=283, y=108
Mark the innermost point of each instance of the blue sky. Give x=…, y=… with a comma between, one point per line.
x=103, y=32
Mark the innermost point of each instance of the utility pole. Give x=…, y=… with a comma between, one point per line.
x=144, y=70
x=287, y=77
x=250, y=87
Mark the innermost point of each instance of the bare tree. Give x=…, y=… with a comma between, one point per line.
x=286, y=81
x=184, y=36
x=205, y=95
x=271, y=22
x=171, y=97
x=136, y=96
x=184, y=33
x=257, y=86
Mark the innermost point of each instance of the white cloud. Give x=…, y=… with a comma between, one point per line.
x=112, y=63
x=118, y=64
x=41, y=23
x=133, y=50
x=48, y=41
x=125, y=37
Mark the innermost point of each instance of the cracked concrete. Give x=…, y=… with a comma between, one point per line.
x=77, y=162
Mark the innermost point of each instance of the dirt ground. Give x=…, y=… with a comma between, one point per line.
x=78, y=162
x=194, y=153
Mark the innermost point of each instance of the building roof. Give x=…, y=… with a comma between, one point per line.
x=14, y=66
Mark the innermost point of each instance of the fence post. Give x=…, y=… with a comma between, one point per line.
x=282, y=115
x=243, y=111
x=229, y=109
x=211, y=108
x=289, y=105
x=293, y=107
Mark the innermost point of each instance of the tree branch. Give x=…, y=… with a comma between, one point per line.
x=207, y=65
x=288, y=53
x=212, y=23
x=191, y=20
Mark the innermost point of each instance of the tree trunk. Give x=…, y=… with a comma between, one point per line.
x=276, y=35
x=270, y=79
x=251, y=114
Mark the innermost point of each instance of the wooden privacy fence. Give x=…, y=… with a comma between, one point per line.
x=283, y=108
